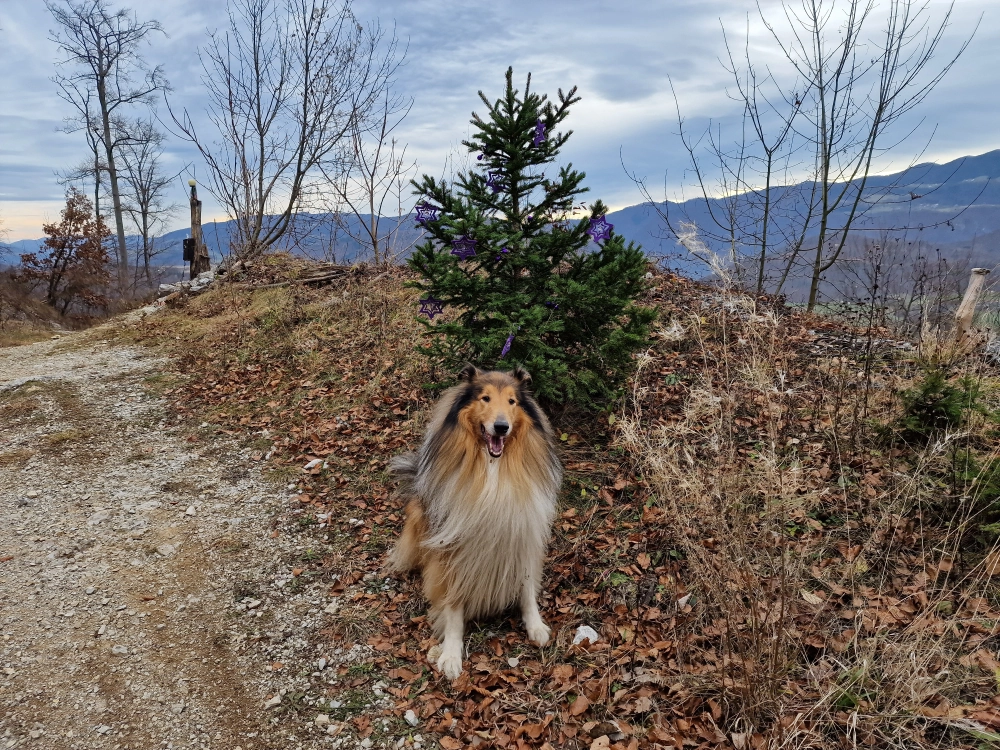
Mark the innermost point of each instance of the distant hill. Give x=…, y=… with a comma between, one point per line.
x=956, y=213
x=957, y=205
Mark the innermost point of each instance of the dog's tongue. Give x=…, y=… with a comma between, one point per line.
x=495, y=443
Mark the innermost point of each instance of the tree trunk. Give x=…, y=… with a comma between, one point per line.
x=145, y=247
x=116, y=199
x=201, y=262
x=967, y=310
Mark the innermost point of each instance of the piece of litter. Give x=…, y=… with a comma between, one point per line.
x=586, y=633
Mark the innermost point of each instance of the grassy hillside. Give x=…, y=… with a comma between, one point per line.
x=775, y=549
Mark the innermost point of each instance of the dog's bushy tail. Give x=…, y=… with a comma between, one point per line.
x=408, y=554
x=404, y=468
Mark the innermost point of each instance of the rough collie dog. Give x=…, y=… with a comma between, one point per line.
x=485, y=483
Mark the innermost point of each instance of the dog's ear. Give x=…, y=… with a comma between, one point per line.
x=522, y=375
x=468, y=373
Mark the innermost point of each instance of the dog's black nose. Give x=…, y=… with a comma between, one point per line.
x=500, y=428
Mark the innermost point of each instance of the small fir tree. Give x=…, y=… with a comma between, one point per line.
x=527, y=284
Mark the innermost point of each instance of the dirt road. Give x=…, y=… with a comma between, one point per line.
x=133, y=554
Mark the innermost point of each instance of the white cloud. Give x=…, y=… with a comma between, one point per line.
x=619, y=54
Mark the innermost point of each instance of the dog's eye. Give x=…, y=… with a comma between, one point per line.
x=486, y=399
x=512, y=402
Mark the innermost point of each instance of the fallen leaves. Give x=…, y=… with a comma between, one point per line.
x=674, y=662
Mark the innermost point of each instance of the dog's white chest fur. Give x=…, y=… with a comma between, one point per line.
x=496, y=540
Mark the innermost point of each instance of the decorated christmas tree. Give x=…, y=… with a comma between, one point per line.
x=521, y=277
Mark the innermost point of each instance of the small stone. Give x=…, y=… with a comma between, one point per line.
x=332, y=607
x=99, y=516
x=272, y=702
x=190, y=511
x=323, y=720
x=513, y=661
x=253, y=604
x=103, y=729
x=366, y=743
x=36, y=733
x=119, y=650
x=32, y=493
x=90, y=590
x=177, y=708
x=586, y=633
x=321, y=664
x=313, y=464
x=165, y=550
x=411, y=717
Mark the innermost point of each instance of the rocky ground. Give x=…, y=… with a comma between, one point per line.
x=148, y=596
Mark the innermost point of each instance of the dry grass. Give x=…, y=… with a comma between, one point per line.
x=16, y=333
x=765, y=565
x=824, y=609
x=18, y=457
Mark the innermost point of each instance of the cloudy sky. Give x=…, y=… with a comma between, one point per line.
x=621, y=55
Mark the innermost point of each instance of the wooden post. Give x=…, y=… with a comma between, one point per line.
x=201, y=262
x=967, y=310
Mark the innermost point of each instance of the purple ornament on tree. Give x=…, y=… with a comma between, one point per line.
x=494, y=181
x=506, y=347
x=431, y=307
x=426, y=212
x=464, y=247
x=599, y=229
x=539, y=133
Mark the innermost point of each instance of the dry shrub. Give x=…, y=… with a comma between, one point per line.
x=816, y=605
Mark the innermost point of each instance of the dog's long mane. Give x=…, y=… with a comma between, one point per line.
x=487, y=520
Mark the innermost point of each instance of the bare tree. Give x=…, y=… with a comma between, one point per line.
x=856, y=67
x=94, y=168
x=102, y=48
x=144, y=194
x=287, y=82
x=376, y=182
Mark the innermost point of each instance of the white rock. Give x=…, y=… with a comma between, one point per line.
x=585, y=632
x=366, y=743
x=99, y=516
x=411, y=717
x=177, y=708
x=165, y=550
x=513, y=661
x=90, y=590
x=253, y=604
x=313, y=464
x=32, y=493
x=321, y=664
x=119, y=650
x=332, y=607
x=323, y=720
x=272, y=702
x=190, y=511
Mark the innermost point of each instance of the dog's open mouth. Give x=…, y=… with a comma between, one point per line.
x=494, y=443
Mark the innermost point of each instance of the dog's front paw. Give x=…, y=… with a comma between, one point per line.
x=538, y=632
x=450, y=665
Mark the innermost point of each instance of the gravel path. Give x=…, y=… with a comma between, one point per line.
x=124, y=544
